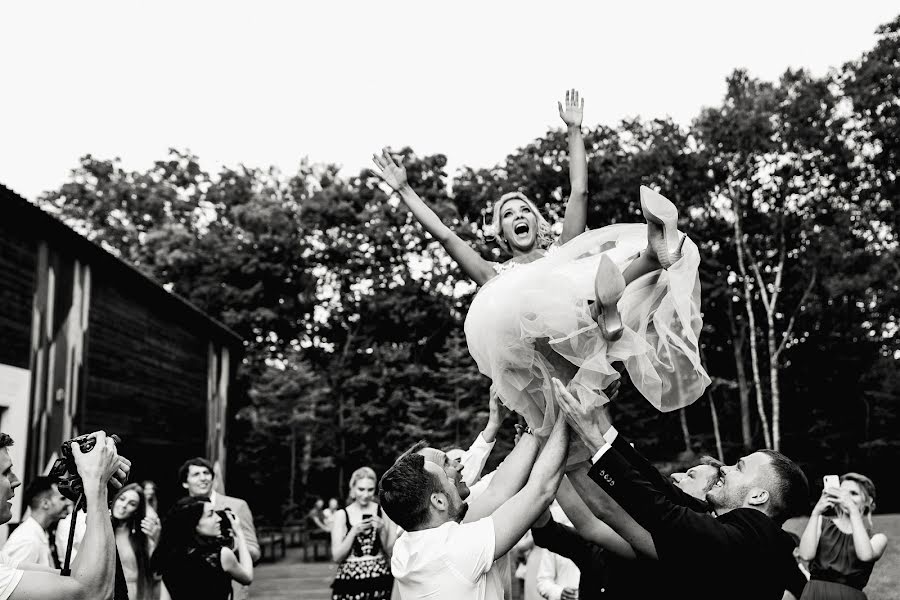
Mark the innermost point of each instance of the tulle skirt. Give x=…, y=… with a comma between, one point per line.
x=533, y=322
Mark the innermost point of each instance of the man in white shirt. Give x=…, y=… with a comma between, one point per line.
x=29, y=542
x=474, y=459
x=449, y=548
x=557, y=577
x=92, y=577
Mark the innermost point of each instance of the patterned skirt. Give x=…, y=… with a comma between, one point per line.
x=365, y=579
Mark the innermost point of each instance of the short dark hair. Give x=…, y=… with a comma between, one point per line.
x=194, y=462
x=37, y=490
x=405, y=491
x=712, y=462
x=5, y=440
x=790, y=494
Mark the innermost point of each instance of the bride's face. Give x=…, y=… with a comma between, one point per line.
x=519, y=225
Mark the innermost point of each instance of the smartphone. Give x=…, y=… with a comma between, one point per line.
x=832, y=481
x=367, y=517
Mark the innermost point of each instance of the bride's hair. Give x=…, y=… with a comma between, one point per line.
x=494, y=231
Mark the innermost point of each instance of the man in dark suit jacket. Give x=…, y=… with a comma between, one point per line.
x=740, y=547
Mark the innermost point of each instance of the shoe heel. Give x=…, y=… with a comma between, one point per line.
x=659, y=210
x=609, y=285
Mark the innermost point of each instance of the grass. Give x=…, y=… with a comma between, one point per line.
x=885, y=580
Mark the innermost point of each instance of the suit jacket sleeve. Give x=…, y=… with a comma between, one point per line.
x=565, y=541
x=643, y=466
x=675, y=528
x=246, y=517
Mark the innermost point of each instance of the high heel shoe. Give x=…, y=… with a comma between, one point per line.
x=663, y=239
x=609, y=285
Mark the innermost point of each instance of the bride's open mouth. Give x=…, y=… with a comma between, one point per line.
x=520, y=228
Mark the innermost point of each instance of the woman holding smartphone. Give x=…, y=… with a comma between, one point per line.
x=838, y=540
x=361, y=541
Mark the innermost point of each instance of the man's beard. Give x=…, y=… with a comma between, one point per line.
x=460, y=513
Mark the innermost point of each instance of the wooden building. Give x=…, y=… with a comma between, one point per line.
x=87, y=342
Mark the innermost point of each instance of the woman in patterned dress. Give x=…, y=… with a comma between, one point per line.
x=362, y=537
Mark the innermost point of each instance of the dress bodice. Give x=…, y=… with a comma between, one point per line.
x=367, y=543
x=836, y=559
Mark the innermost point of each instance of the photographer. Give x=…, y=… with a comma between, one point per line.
x=93, y=572
x=192, y=557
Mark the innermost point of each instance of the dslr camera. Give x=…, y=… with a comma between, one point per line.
x=64, y=472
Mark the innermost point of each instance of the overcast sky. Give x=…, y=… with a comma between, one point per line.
x=268, y=83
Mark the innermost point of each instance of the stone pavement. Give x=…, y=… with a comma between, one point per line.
x=292, y=579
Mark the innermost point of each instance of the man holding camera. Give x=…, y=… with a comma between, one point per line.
x=93, y=572
x=197, y=476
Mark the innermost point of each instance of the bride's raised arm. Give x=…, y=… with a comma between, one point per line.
x=471, y=263
x=576, y=208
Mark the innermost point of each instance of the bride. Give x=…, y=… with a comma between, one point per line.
x=573, y=307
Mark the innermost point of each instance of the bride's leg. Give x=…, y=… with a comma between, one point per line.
x=640, y=266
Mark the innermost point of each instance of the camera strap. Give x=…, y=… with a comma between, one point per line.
x=120, y=590
x=66, y=569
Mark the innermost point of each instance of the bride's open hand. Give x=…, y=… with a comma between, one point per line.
x=573, y=112
x=389, y=171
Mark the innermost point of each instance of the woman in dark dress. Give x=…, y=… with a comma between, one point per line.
x=361, y=541
x=192, y=558
x=839, y=543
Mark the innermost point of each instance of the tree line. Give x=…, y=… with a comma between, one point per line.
x=352, y=317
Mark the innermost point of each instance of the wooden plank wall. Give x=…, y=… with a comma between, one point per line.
x=18, y=253
x=148, y=375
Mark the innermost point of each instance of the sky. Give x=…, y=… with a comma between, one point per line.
x=269, y=83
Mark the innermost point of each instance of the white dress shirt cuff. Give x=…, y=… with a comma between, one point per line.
x=480, y=442
x=603, y=449
x=611, y=434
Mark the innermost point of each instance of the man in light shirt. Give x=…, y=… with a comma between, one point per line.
x=29, y=542
x=474, y=459
x=449, y=547
x=557, y=577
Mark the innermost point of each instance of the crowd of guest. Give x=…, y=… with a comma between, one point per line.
x=434, y=526
x=116, y=545
x=610, y=527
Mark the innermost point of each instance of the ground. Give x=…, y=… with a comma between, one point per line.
x=291, y=578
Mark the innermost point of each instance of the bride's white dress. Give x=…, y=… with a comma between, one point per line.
x=532, y=322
